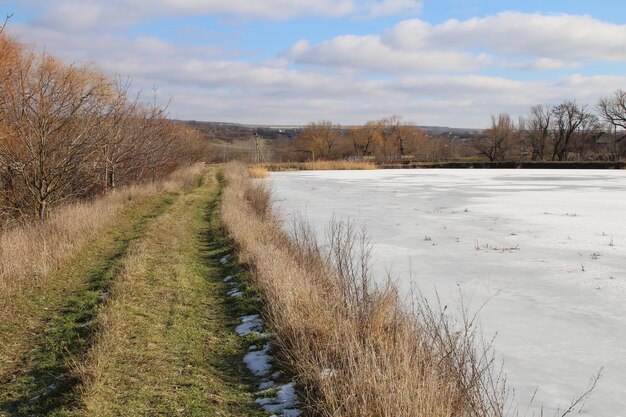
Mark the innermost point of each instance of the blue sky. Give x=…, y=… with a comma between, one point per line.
x=446, y=62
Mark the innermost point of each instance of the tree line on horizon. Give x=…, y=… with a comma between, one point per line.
x=68, y=132
x=564, y=132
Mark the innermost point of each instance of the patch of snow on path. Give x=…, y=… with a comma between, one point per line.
x=250, y=324
x=284, y=402
x=259, y=362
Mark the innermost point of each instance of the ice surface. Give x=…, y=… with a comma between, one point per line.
x=547, y=249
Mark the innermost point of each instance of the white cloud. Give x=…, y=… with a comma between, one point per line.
x=563, y=37
x=207, y=83
x=82, y=15
x=508, y=40
x=370, y=53
x=540, y=64
x=393, y=7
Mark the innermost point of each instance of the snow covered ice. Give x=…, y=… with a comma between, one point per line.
x=546, y=249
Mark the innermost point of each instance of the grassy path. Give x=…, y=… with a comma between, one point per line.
x=167, y=345
x=54, y=326
x=140, y=325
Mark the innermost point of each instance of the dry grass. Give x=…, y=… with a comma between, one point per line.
x=258, y=171
x=356, y=350
x=339, y=165
x=31, y=252
x=323, y=166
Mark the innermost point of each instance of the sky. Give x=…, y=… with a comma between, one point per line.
x=280, y=62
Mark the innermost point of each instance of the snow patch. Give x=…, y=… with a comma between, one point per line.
x=250, y=324
x=235, y=292
x=285, y=401
x=224, y=259
x=258, y=361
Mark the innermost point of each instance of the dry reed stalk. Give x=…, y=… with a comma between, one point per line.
x=30, y=253
x=356, y=350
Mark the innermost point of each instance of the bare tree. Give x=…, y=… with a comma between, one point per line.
x=613, y=109
x=386, y=149
x=365, y=138
x=49, y=115
x=568, y=119
x=498, y=140
x=131, y=137
x=319, y=138
x=406, y=136
x=538, y=125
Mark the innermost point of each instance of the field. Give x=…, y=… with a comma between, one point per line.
x=539, y=255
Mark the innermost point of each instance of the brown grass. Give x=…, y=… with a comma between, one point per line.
x=355, y=349
x=323, y=166
x=31, y=252
x=340, y=165
x=258, y=171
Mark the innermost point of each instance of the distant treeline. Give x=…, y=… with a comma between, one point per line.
x=564, y=132
x=68, y=132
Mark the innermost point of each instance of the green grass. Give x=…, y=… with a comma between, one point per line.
x=167, y=345
x=161, y=341
x=55, y=327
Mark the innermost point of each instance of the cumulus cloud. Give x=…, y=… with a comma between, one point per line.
x=370, y=53
x=507, y=40
x=426, y=85
x=560, y=36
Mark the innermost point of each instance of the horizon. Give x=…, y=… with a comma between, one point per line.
x=449, y=64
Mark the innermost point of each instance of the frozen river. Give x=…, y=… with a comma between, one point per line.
x=547, y=249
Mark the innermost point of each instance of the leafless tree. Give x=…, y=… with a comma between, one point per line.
x=498, y=140
x=49, y=115
x=68, y=132
x=319, y=138
x=132, y=135
x=613, y=109
x=538, y=126
x=569, y=121
x=386, y=149
x=365, y=138
x=406, y=136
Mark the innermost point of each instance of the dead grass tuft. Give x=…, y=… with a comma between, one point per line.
x=258, y=171
x=356, y=350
